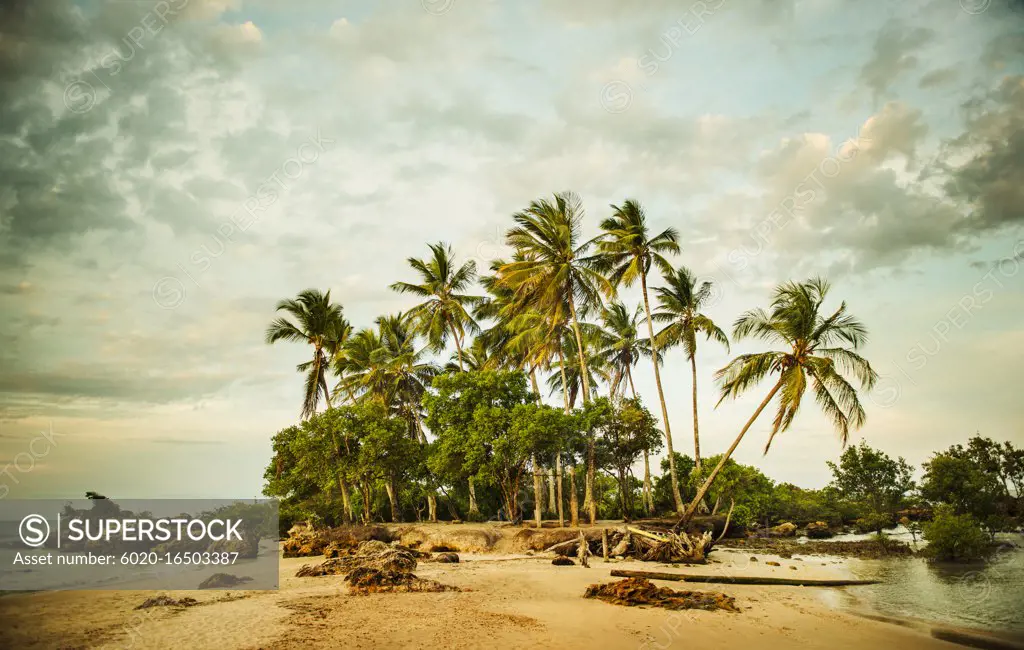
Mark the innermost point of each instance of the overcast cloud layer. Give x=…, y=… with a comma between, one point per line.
x=169, y=170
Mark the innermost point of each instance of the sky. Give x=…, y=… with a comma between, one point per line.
x=170, y=170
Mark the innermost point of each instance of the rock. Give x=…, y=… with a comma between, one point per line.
x=753, y=559
x=248, y=547
x=446, y=558
x=786, y=529
x=792, y=567
x=562, y=561
x=223, y=581
x=819, y=530
x=773, y=564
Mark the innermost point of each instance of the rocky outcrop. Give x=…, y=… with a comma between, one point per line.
x=786, y=529
x=819, y=530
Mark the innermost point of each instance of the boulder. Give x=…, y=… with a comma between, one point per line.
x=818, y=530
x=786, y=529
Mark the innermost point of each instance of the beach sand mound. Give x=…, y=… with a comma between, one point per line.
x=450, y=539
x=533, y=539
x=167, y=601
x=370, y=554
x=364, y=580
x=640, y=591
x=223, y=581
x=338, y=541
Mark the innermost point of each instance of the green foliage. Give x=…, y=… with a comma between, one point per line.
x=626, y=429
x=968, y=480
x=488, y=426
x=955, y=537
x=873, y=479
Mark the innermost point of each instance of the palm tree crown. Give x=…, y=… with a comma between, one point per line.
x=627, y=251
x=817, y=347
x=621, y=346
x=444, y=311
x=319, y=323
x=680, y=304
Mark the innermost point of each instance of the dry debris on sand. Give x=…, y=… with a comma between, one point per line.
x=640, y=591
x=223, y=581
x=363, y=580
x=167, y=601
x=332, y=542
x=377, y=567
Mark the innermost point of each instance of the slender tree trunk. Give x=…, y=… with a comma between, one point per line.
x=648, y=494
x=538, y=491
x=584, y=374
x=696, y=429
x=558, y=489
x=551, y=491
x=473, y=508
x=622, y=497
x=692, y=508
x=661, y=397
x=432, y=508
x=365, y=485
x=591, y=477
x=346, y=503
x=574, y=506
x=431, y=497
x=389, y=485
x=458, y=344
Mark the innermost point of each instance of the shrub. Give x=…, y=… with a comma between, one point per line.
x=741, y=517
x=953, y=537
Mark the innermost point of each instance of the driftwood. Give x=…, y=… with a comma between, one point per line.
x=604, y=544
x=623, y=546
x=670, y=547
x=739, y=580
x=584, y=551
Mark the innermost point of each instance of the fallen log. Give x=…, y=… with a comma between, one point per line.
x=739, y=580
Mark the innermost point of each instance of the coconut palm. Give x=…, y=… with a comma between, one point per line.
x=628, y=251
x=554, y=273
x=679, y=305
x=620, y=349
x=816, y=347
x=444, y=311
x=319, y=323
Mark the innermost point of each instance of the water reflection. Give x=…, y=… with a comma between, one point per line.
x=987, y=594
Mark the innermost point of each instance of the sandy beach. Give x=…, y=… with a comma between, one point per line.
x=507, y=600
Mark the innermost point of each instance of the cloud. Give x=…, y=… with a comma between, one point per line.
x=893, y=54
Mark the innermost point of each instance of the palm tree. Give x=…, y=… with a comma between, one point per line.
x=816, y=346
x=319, y=323
x=628, y=252
x=444, y=310
x=553, y=273
x=680, y=305
x=620, y=349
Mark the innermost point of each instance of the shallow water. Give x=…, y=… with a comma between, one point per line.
x=987, y=595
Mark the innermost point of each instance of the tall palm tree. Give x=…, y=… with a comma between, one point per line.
x=444, y=309
x=679, y=305
x=554, y=272
x=627, y=252
x=815, y=346
x=555, y=275
x=620, y=349
x=319, y=323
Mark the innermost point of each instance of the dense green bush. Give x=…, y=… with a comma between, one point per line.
x=953, y=537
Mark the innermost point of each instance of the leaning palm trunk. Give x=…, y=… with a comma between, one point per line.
x=538, y=492
x=676, y=496
x=702, y=492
